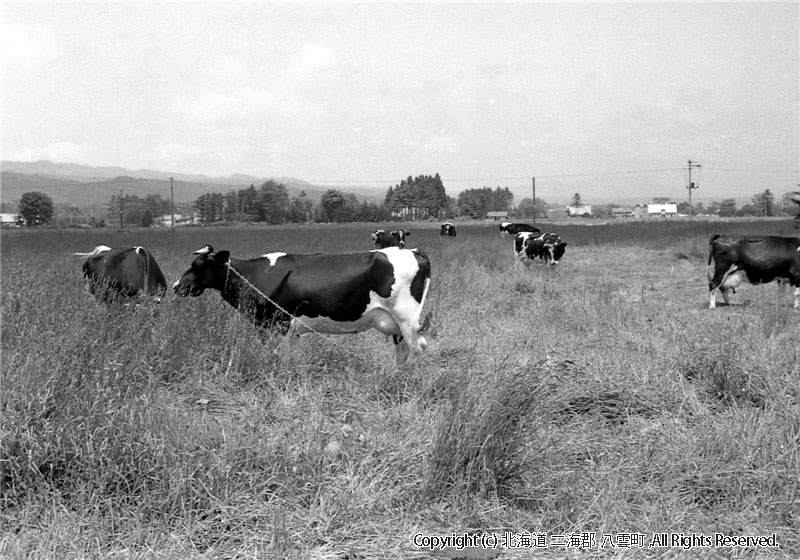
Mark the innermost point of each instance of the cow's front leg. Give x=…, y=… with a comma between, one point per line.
x=401, y=350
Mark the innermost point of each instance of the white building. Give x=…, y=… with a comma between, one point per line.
x=661, y=210
x=579, y=210
x=8, y=220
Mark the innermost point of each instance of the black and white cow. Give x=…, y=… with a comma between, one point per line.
x=513, y=229
x=448, y=230
x=124, y=271
x=394, y=238
x=341, y=293
x=756, y=259
x=520, y=242
x=547, y=247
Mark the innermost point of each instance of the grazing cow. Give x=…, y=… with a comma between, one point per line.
x=448, y=230
x=757, y=259
x=548, y=247
x=509, y=228
x=341, y=293
x=125, y=271
x=520, y=241
x=394, y=238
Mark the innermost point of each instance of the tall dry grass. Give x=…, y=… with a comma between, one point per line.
x=600, y=396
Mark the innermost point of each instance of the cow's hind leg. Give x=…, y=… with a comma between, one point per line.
x=712, y=294
x=727, y=284
x=404, y=338
x=713, y=284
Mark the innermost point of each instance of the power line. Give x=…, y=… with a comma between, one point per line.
x=559, y=176
x=491, y=179
x=795, y=170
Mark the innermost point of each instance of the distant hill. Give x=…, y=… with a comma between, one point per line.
x=84, y=185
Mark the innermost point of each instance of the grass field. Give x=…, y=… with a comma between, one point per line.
x=599, y=397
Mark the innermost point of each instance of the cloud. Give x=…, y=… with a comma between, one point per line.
x=175, y=151
x=227, y=68
x=442, y=145
x=26, y=45
x=283, y=95
x=311, y=59
x=57, y=151
x=235, y=105
x=202, y=159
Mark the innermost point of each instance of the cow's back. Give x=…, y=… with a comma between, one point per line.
x=754, y=251
x=125, y=271
x=332, y=285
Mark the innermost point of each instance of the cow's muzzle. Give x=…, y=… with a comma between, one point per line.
x=184, y=290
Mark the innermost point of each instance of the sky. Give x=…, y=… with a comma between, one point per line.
x=610, y=100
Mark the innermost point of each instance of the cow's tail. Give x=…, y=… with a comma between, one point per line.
x=426, y=323
x=145, y=269
x=711, y=247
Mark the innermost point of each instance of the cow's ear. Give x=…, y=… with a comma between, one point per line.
x=222, y=257
x=407, y=232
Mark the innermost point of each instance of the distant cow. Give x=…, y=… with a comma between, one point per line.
x=124, y=271
x=756, y=259
x=509, y=228
x=327, y=293
x=394, y=238
x=448, y=230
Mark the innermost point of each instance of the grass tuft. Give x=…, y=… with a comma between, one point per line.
x=478, y=441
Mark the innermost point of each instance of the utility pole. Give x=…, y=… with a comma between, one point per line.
x=172, y=201
x=534, y=199
x=692, y=186
x=120, y=209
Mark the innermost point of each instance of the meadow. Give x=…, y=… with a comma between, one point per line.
x=599, y=399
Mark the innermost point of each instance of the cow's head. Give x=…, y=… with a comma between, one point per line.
x=557, y=250
x=504, y=227
x=96, y=251
x=208, y=270
x=399, y=237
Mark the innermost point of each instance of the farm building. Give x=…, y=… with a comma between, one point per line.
x=573, y=211
x=622, y=212
x=661, y=210
x=497, y=215
x=180, y=220
x=413, y=214
x=8, y=220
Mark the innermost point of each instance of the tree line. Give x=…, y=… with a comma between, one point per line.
x=413, y=198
